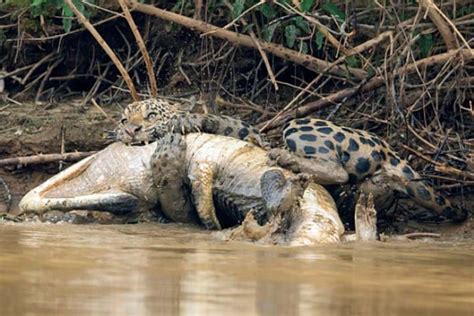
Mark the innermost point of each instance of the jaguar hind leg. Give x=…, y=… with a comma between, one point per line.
x=326, y=171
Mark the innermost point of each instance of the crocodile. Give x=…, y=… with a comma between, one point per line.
x=211, y=180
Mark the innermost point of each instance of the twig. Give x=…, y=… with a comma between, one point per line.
x=103, y=112
x=106, y=48
x=368, y=86
x=421, y=235
x=260, y=50
x=307, y=61
x=441, y=167
x=143, y=50
x=63, y=141
x=45, y=158
x=440, y=23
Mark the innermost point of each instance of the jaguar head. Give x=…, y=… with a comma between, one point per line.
x=143, y=121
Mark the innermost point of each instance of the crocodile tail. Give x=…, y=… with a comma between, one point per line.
x=423, y=194
x=5, y=195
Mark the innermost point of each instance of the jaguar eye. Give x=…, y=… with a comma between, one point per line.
x=151, y=116
x=124, y=121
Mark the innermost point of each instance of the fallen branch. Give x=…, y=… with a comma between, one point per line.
x=106, y=48
x=439, y=22
x=305, y=60
x=45, y=158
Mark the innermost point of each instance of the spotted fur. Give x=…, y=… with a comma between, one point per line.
x=362, y=155
x=149, y=120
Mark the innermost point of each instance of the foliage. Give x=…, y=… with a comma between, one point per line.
x=49, y=8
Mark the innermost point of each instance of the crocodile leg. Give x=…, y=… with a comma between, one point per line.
x=278, y=193
x=202, y=175
x=168, y=166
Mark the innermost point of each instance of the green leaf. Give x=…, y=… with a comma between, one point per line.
x=332, y=9
x=353, y=61
x=426, y=44
x=290, y=35
x=248, y=27
x=319, y=38
x=268, y=10
x=238, y=8
x=303, y=47
x=302, y=24
x=306, y=5
x=268, y=32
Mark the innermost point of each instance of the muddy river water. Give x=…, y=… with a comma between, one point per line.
x=144, y=269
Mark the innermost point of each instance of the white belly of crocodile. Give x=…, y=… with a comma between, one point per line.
x=239, y=164
x=116, y=168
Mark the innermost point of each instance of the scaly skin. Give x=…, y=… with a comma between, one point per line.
x=123, y=178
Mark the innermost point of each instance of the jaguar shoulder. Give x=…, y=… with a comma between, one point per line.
x=149, y=120
x=363, y=155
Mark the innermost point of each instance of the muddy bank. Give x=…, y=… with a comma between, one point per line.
x=27, y=129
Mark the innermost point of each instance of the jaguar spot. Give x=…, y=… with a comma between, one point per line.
x=423, y=193
x=306, y=128
x=394, y=161
x=320, y=123
x=440, y=200
x=376, y=155
x=345, y=157
x=308, y=137
x=323, y=150
x=290, y=131
x=309, y=150
x=228, y=130
x=353, y=145
x=302, y=121
x=362, y=166
x=329, y=144
x=291, y=145
x=376, y=140
x=339, y=137
x=325, y=130
x=408, y=172
x=243, y=132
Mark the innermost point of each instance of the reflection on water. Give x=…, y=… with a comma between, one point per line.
x=171, y=269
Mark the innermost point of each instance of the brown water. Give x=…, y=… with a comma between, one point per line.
x=170, y=269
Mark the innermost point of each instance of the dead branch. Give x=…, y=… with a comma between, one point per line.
x=106, y=48
x=440, y=23
x=142, y=47
x=45, y=158
x=307, y=61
